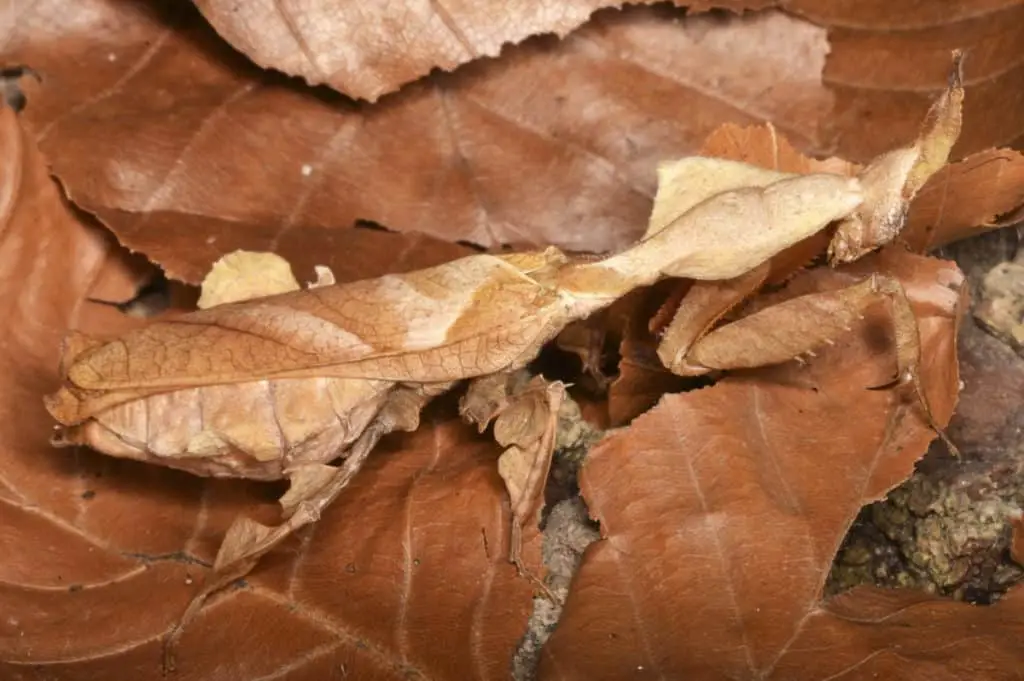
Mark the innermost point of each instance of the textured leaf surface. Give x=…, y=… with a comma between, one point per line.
x=967, y=198
x=351, y=47
x=187, y=152
x=722, y=509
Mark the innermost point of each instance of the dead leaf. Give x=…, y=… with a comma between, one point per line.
x=966, y=198
x=642, y=378
x=728, y=504
x=362, y=596
x=355, y=49
x=98, y=538
x=180, y=189
x=888, y=61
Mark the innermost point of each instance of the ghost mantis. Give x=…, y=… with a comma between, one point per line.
x=278, y=383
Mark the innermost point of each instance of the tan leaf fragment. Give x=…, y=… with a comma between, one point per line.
x=525, y=413
x=305, y=481
x=242, y=275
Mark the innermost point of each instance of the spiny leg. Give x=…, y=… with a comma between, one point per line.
x=804, y=324
x=703, y=305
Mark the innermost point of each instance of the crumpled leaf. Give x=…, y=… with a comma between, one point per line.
x=722, y=509
x=188, y=188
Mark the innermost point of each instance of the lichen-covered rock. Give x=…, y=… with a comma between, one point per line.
x=948, y=528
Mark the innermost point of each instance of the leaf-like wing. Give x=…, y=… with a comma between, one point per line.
x=468, y=317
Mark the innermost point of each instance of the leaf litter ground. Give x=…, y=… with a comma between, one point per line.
x=131, y=531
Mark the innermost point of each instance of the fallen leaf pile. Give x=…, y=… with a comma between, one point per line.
x=388, y=137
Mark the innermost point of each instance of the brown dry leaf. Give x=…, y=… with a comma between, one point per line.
x=642, y=378
x=103, y=552
x=888, y=61
x=364, y=592
x=966, y=198
x=722, y=509
x=247, y=160
x=370, y=50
